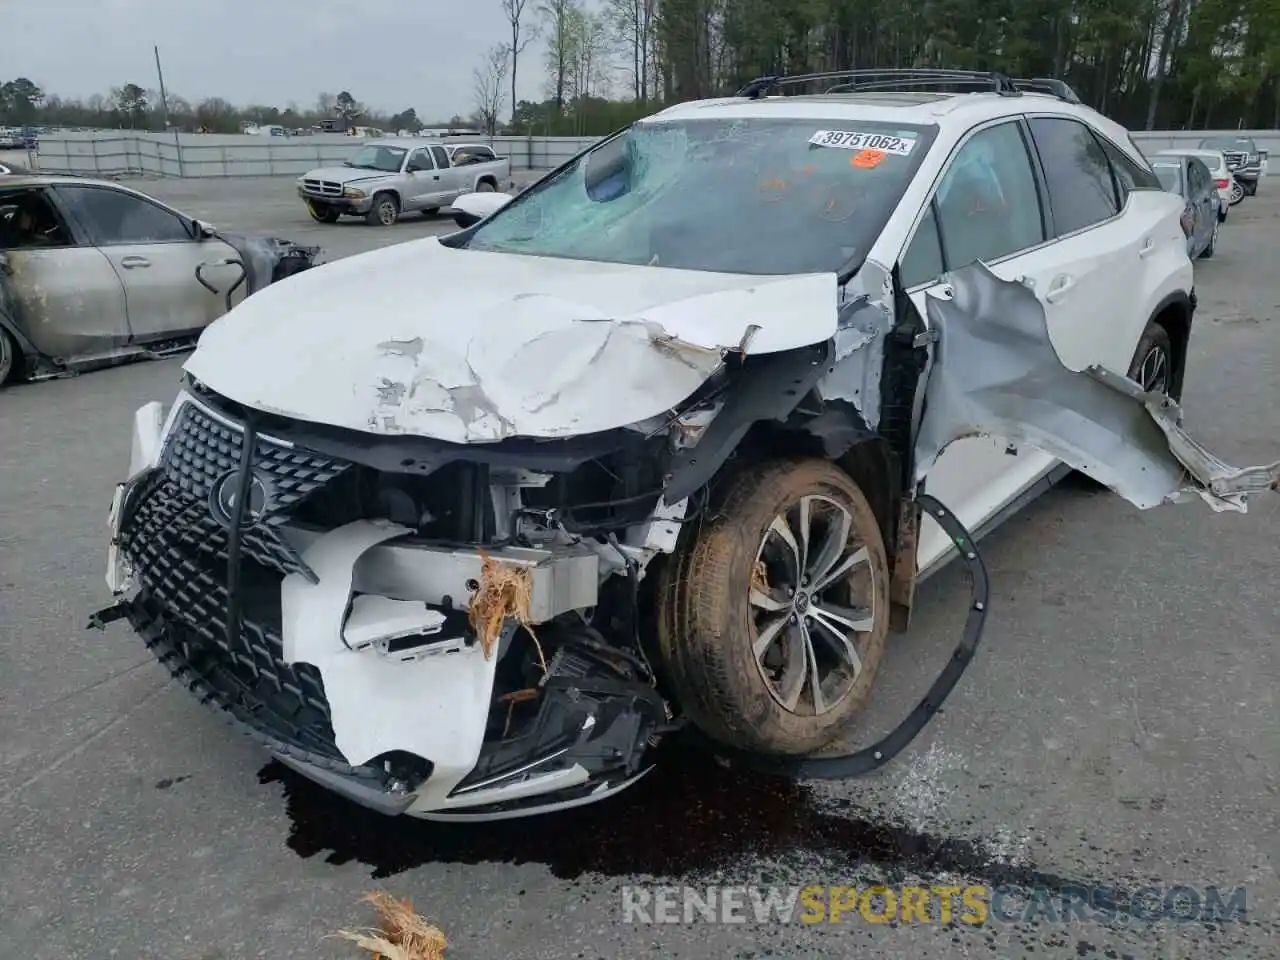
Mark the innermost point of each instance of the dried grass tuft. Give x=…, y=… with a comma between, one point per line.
x=506, y=590
x=401, y=933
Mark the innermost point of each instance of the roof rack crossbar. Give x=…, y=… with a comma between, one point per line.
x=914, y=78
x=855, y=79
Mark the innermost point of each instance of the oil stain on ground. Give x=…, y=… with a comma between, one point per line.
x=703, y=816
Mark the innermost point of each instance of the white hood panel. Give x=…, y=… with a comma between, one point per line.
x=466, y=346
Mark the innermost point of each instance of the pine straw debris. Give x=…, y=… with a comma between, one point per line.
x=401, y=933
x=506, y=590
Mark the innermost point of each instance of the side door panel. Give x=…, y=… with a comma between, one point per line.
x=422, y=184
x=155, y=255
x=986, y=207
x=455, y=180
x=61, y=293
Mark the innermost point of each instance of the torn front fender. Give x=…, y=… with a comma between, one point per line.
x=996, y=373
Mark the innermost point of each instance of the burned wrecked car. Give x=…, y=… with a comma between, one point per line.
x=656, y=454
x=92, y=273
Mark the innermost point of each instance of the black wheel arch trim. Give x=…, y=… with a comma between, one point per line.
x=1181, y=343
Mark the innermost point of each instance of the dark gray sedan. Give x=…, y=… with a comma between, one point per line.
x=1190, y=179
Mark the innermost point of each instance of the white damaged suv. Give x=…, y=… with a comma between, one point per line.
x=655, y=451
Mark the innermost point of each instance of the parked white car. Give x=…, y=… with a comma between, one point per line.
x=671, y=442
x=1227, y=187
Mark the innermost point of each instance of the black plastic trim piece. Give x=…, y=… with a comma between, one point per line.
x=768, y=388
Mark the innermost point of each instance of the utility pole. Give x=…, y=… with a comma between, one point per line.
x=164, y=113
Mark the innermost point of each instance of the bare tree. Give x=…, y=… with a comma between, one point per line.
x=558, y=18
x=488, y=80
x=522, y=34
x=633, y=23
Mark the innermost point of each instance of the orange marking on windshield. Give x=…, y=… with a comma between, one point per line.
x=866, y=159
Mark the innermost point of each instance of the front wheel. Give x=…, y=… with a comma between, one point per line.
x=772, y=620
x=1250, y=188
x=1207, y=252
x=385, y=210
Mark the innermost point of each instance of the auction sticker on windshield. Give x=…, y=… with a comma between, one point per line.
x=852, y=140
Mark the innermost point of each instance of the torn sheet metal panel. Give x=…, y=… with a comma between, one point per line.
x=864, y=319
x=996, y=373
x=434, y=708
x=471, y=347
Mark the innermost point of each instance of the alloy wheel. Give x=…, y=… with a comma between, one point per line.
x=1153, y=372
x=809, y=627
x=387, y=213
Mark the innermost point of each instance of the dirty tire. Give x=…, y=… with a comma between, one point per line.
x=1152, y=365
x=385, y=210
x=10, y=357
x=323, y=213
x=706, y=619
x=484, y=186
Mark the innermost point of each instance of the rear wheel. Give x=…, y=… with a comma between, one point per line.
x=385, y=210
x=484, y=186
x=772, y=621
x=10, y=357
x=322, y=212
x=1236, y=194
x=1152, y=366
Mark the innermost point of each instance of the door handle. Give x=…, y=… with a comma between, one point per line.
x=1061, y=286
x=1148, y=248
x=130, y=262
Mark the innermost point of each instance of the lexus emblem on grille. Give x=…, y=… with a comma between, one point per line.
x=222, y=499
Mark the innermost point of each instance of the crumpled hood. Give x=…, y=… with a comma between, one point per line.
x=346, y=174
x=423, y=339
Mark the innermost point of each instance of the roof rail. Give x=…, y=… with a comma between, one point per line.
x=1057, y=88
x=912, y=78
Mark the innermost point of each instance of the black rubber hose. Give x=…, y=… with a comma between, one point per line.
x=878, y=754
x=248, y=441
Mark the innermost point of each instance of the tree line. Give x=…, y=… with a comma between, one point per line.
x=1150, y=64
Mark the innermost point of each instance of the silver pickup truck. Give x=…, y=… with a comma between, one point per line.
x=388, y=177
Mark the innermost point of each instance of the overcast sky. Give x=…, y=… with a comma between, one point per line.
x=391, y=54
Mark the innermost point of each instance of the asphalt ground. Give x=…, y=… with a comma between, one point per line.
x=1118, y=728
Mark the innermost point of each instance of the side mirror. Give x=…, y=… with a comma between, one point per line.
x=204, y=230
x=471, y=208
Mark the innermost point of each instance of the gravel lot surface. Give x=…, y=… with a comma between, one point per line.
x=1118, y=727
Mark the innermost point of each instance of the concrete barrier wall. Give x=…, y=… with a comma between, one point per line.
x=112, y=153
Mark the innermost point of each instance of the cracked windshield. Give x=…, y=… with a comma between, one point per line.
x=758, y=196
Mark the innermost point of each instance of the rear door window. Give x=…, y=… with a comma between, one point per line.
x=1077, y=174
x=442, y=157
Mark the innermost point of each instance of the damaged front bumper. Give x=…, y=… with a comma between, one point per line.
x=356, y=662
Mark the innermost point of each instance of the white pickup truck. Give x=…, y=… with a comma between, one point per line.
x=389, y=177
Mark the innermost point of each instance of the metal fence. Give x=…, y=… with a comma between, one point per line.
x=122, y=153
x=118, y=153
